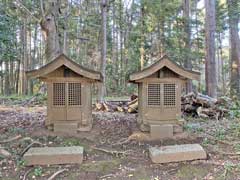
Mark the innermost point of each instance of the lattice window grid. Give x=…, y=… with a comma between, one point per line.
x=154, y=94
x=59, y=95
x=74, y=94
x=169, y=94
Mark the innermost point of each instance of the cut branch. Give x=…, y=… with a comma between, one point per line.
x=29, y=146
x=11, y=139
x=57, y=173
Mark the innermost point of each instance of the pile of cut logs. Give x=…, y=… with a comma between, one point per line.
x=200, y=105
x=193, y=104
x=130, y=106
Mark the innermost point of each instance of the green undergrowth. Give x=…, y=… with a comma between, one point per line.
x=189, y=172
x=19, y=99
x=77, y=142
x=105, y=166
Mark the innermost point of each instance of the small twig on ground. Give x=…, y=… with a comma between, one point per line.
x=5, y=153
x=29, y=146
x=171, y=170
x=116, y=153
x=56, y=173
x=106, y=176
x=26, y=173
x=11, y=139
x=122, y=141
x=225, y=174
x=27, y=139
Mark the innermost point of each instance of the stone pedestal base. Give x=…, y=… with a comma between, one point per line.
x=84, y=128
x=65, y=127
x=161, y=131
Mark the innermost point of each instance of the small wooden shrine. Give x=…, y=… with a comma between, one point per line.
x=69, y=101
x=159, y=92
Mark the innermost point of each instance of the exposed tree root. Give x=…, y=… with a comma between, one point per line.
x=26, y=173
x=11, y=139
x=29, y=146
x=56, y=173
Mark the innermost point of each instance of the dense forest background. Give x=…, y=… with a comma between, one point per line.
x=118, y=37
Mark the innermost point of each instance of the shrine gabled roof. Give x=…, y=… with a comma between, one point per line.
x=63, y=60
x=164, y=61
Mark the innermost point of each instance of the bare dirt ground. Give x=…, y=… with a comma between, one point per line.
x=20, y=126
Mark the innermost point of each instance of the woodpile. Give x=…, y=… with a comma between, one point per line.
x=199, y=105
x=119, y=105
x=193, y=104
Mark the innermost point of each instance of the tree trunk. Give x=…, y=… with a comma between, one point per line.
x=7, y=83
x=11, y=76
x=121, y=44
x=2, y=79
x=210, y=26
x=102, y=90
x=24, y=58
x=33, y=58
x=65, y=32
x=30, y=60
x=222, y=66
x=49, y=27
x=235, y=47
x=142, y=51
x=187, y=40
x=18, y=64
x=115, y=49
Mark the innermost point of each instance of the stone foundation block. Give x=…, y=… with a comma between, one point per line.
x=66, y=127
x=161, y=131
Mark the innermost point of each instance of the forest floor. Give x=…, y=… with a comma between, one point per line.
x=22, y=125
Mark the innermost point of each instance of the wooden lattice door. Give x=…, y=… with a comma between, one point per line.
x=66, y=101
x=58, y=110
x=162, y=101
x=170, y=101
x=74, y=91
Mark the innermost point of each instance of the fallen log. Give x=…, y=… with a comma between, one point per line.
x=133, y=107
x=132, y=102
x=120, y=109
x=99, y=106
x=134, y=96
x=106, y=108
x=205, y=101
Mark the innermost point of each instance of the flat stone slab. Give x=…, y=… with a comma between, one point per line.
x=54, y=155
x=176, y=153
